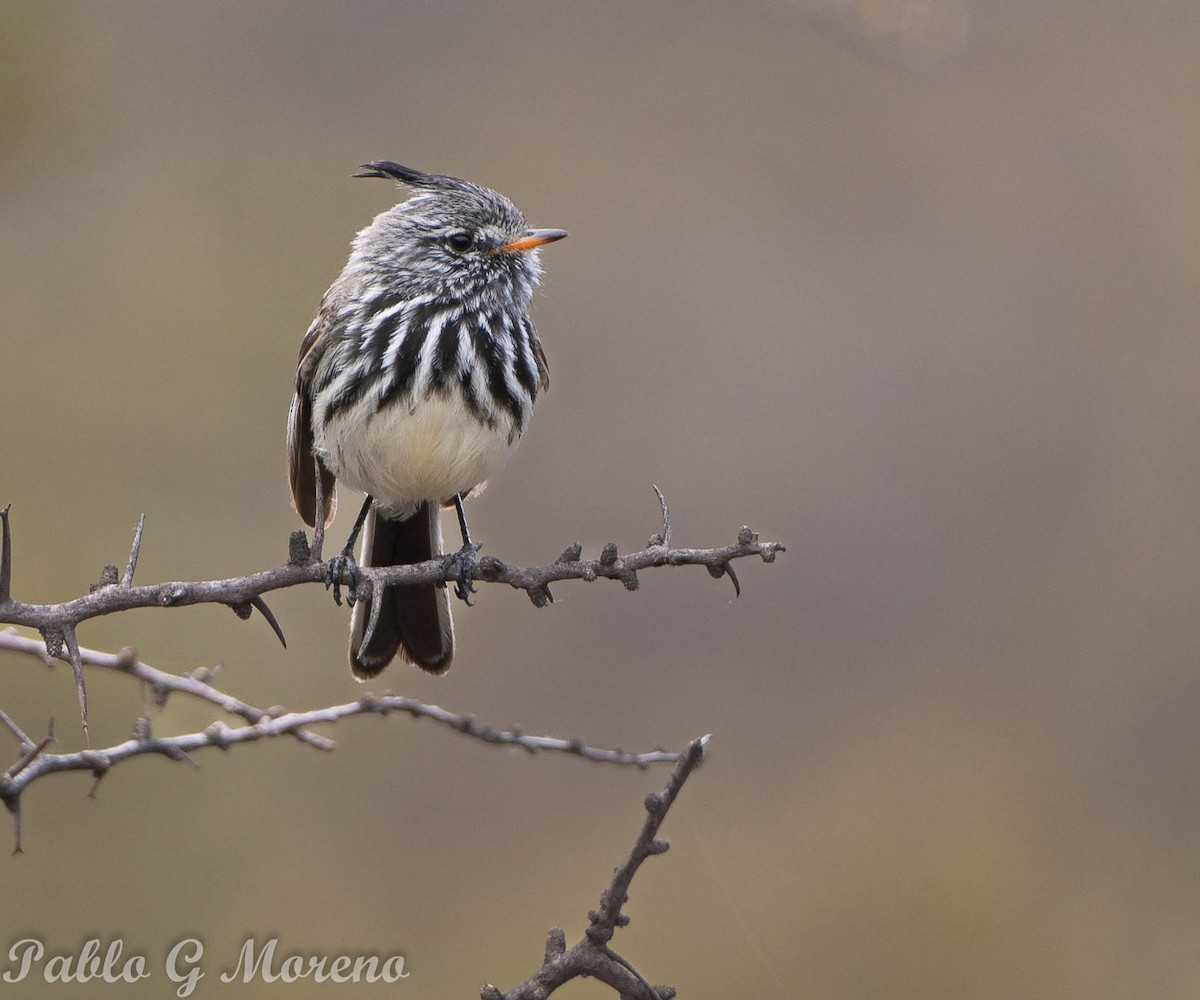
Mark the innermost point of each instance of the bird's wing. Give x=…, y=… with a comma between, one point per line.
x=302, y=462
x=539, y=357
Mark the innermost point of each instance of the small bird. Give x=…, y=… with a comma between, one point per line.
x=415, y=383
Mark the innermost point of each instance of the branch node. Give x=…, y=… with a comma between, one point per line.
x=556, y=944
x=630, y=579
x=242, y=609
x=540, y=596
x=204, y=675
x=299, y=552
x=746, y=537
x=654, y=803
x=489, y=567
x=126, y=658
x=171, y=595
x=109, y=577
x=570, y=554
x=659, y=846
x=608, y=555
x=53, y=638
x=216, y=735
x=489, y=992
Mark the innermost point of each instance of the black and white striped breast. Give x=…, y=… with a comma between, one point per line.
x=399, y=351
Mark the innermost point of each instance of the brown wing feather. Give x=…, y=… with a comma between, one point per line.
x=302, y=462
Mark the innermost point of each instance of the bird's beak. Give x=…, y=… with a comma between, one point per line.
x=533, y=238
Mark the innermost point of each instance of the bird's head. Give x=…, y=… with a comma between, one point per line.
x=452, y=238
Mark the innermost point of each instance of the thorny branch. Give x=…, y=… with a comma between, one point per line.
x=260, y=724
x=592, y=957
x=58, y=623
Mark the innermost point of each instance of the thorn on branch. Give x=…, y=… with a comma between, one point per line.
x=32, y=753
x=372, y=622
x=5, y=559
x=540, y=596
x=244, y=609
x=261, y=606
x=663, y=539
x=13, y=804
x=134, y=550
x=726, y=569
x=77, y=670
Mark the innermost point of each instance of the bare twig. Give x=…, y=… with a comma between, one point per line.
x=592, y=956
x=245, y=592
x=23, y=740
x=31, y=754
x=261, y=724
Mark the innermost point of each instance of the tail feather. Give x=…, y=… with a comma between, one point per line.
x=414, y=622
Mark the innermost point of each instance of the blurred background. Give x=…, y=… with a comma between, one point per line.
x=910, y=286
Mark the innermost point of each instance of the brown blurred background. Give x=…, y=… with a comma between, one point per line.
x=909, y=286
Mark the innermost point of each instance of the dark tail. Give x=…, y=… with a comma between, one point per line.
x=412, y=621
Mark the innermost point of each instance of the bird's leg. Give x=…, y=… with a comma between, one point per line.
x=342, y=567
x=461, y=564
x=462, y=521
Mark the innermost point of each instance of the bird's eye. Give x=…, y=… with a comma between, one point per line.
x=460, y=242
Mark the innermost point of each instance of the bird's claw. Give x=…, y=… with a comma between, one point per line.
x=342, y=569
x=460, y=567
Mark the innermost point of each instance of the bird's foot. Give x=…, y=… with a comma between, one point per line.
x=342, y=569
x=460, y=567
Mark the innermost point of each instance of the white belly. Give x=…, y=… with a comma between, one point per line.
x=399, y=457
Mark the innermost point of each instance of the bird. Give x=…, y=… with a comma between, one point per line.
x=414, y=385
